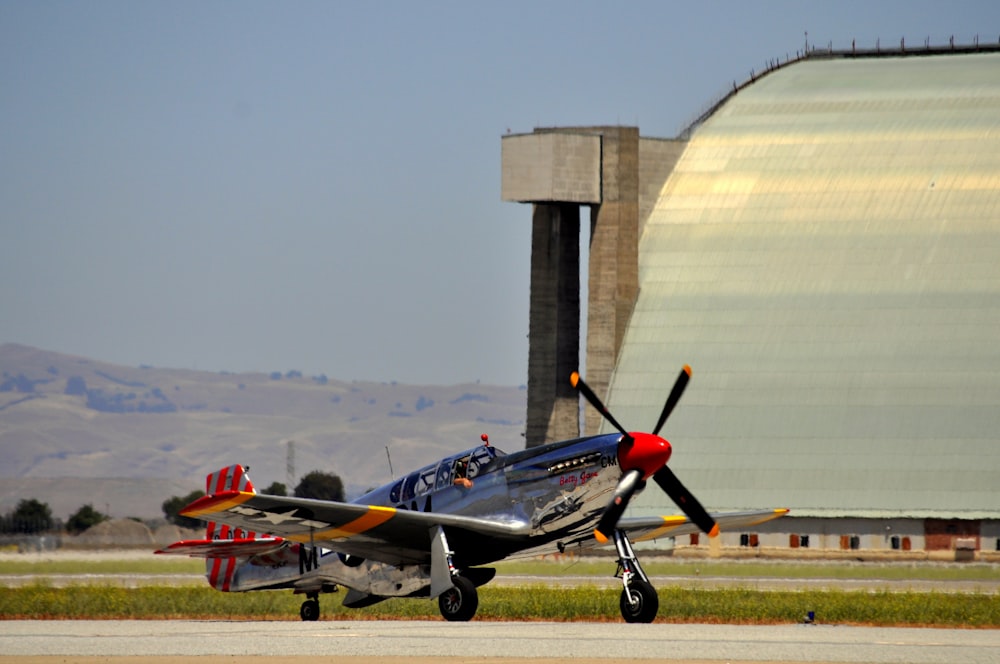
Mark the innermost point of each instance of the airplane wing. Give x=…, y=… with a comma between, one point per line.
x=644, y=528
x=387, y=534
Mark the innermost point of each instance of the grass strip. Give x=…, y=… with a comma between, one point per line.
x=582, y=604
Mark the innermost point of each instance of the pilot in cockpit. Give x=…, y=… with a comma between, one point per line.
x=461, y=474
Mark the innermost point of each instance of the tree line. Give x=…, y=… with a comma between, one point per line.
x=32, y=517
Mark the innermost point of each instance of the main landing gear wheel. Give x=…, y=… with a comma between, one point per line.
x=639, y=602
x=459, y=603
x=309, y=610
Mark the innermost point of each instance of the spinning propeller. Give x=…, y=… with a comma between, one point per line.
x=645, y=455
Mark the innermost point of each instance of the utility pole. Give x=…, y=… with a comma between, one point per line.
x=290, y=465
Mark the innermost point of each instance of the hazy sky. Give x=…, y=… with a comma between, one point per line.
x=316, y=185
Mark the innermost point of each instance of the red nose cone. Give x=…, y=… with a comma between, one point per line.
x=646, y=452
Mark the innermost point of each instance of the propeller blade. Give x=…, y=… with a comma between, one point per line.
x=577, y=382
x=687, y=502
x=675, y=396
x=627, y=485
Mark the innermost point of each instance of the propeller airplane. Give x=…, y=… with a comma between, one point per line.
x=431, y=533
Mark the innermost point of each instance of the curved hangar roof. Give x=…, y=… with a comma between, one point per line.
x=826, y=256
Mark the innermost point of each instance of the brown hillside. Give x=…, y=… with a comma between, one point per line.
x=70, y=417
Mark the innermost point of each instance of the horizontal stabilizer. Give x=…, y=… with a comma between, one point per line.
x=225, y=548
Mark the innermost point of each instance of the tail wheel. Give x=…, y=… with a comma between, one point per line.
x=639, y=602
x=459, y=603
x=309, y=610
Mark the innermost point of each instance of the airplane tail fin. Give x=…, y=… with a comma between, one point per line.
x=236, y=559
x=231, y=478
x=220, y=571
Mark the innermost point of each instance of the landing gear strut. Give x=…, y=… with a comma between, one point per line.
x=639, y=602
x=457, y=595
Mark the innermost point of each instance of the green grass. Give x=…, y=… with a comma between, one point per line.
x=532, y=602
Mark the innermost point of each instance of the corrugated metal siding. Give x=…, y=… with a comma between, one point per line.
x=826, y=256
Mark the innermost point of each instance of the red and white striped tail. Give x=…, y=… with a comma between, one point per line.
x=220, y=570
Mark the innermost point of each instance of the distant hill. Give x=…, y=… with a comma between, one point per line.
x=162, y=430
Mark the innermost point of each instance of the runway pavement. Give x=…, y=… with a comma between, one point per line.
x=419, y=642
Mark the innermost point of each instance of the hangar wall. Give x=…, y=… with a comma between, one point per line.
x=826, y=255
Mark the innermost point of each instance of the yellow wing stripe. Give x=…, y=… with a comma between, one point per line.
x=216, y=506
x=375, y=516
x=669, y=523
x=778, y=512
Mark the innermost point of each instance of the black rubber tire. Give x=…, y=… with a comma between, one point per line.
x=460, y=602
x=644, y=604
x=309, y=610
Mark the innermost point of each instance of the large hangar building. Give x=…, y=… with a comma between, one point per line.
x=824, y=250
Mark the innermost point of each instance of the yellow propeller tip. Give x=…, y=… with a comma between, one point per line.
x=574, y=378
x=714, y=532
x=599, y=536
x=687, y=370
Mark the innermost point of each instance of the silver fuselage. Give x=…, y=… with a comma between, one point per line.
x=559, y=491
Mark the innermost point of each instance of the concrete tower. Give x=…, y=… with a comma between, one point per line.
x=558, y=170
